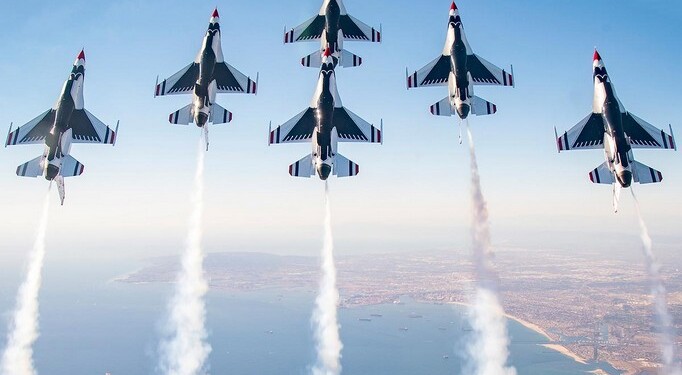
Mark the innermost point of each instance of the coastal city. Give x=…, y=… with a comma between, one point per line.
x=589, y=306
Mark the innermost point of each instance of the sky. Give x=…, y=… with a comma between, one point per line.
x=412, y=193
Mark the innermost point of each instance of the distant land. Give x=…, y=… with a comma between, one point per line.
x=590, y=307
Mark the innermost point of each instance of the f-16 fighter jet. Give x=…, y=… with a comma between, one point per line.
x=206, y=76
x=460, y=69
x=58, y=127
x=325, y=123
x=331, y=26
x=617, y=131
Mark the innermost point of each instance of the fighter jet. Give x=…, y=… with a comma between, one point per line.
x=460, y=69
x=65, y=123
x=206, y=76
x=325, y=123
x=331, y=26
x=617, y=131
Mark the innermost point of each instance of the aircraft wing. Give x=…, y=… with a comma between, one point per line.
x=351, y=128
x=181, y=82
x=86, y=128
x=231, y=80
x=34, y=131
x=587, y=134
x=309, y=30
x=297, y=130
x=354, y=29
x=644, y=135
x=485, y=73
x=435, y=73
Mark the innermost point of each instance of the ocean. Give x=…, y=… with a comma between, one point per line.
x=91, y=325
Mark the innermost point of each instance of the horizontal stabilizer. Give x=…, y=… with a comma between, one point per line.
x=645, y=174
x=345, y=60
x=602, y=175
x=220, y=115
x=303, y=167
x=442, y=108
x=182, y=116
x=344, y=167
x=71, y=167
x=33, y=168
x=482, y=107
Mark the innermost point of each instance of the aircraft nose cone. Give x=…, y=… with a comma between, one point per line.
x=52, y=172
x=625, y=179
x=324, y=171
x=463, y=111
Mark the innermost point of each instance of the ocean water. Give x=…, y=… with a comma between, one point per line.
x=90, y=325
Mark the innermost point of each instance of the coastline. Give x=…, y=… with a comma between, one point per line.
x=552, y=345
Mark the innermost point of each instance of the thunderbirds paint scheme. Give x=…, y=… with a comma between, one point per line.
x=460, y=69
x=331, y=26
x=206, y=76
x=57, y=128
x=617, y=131
x=325, y=123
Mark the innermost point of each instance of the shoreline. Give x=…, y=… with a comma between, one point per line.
x=552, y=345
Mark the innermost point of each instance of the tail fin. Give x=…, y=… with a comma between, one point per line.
x=220, y=115
x=33, y=168
x=602, y=175
x=344, y=167
x=442, y=108
x=182, y=116
x=345, y=60
x=303, y=167
x=482, y=107
x=645, y=174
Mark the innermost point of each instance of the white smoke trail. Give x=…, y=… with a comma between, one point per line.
x=324, y=319
x=667, y=332
x=184, y=350
x=489, y=350
x=24, y=331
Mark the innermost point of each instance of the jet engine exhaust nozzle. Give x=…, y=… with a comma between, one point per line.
x=625, y=178
x=52, y=172
x=324, y=171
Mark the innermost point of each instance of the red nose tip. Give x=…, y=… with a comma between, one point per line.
x=327, y=52
x=596, y=56
x=453, y=6
x=81, y=56
x=215, y=13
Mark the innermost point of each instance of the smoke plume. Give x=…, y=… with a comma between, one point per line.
x=667, y=334
x=324, y=318
x=23, y=330
x=184, y=350
x=488, y=352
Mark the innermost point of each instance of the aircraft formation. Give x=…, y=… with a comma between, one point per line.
x=326, y=122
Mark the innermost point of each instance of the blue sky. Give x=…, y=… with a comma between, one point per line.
x=412, y=193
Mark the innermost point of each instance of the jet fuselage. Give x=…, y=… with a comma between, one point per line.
x=332, y=17
x=205, y=88
x=58, y=140
x=459, y=84
x=616, y=145
x=324, y=139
